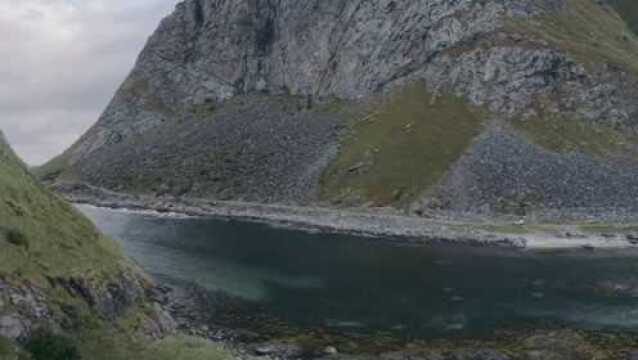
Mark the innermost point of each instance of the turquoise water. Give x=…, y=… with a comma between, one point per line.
x=358, y=285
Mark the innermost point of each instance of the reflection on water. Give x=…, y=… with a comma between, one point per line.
x=358, y=285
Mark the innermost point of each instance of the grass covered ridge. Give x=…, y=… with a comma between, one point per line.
x=564, y=135
x=402, y=147
x=42, y=234
x=57, y=168
x=589, y=32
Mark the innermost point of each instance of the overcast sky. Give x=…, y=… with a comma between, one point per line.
x=61, y=61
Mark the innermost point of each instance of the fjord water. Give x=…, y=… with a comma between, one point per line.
x=363, y=285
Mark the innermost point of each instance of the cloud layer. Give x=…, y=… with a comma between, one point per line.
x=61, y=63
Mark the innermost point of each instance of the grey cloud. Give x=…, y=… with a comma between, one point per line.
x=57, y=77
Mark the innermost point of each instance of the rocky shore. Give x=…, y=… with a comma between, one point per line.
x=251, y=336
x=534, y=232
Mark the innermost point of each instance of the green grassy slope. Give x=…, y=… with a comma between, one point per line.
x=40, y=233
x=564, y=135
x=42, y=236
x=56, y=168
x=589, y=32
x=401, y=148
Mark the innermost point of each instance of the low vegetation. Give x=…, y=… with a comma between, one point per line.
x=44, y=345
x=105, y=344
x=56, y=168
x=139, y=88
x=628, y=10
x=560, y=134
x=109, y=345
x=8, y=350
x=43, y=237
x=40, y=233
x=401, y=148
x=589, y=32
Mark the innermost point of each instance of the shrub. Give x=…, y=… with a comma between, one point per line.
x=17, y=238
x=7, y=350
x=44, y=345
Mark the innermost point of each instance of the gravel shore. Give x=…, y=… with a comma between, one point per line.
x=383, y=225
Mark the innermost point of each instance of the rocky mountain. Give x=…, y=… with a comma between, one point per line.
x=491, y=106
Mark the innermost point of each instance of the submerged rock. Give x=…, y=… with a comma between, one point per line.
x=279, y=349
x=330, y=350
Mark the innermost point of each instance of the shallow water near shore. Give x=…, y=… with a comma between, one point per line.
x=362, y=285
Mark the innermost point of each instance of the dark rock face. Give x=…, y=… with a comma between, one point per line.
x=228, y=100
x=25, y=307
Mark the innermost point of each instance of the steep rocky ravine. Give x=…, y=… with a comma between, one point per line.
x=499, y=106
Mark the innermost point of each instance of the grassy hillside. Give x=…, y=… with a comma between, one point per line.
x=40, y=233
x=43, y=237
x=589, y=32
x=401, y=148
x=628, y=10
x=56, y=168
x=564, y=135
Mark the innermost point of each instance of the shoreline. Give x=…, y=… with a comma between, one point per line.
x=391, y=227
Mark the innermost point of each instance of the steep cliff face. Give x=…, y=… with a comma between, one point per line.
x=408, y=103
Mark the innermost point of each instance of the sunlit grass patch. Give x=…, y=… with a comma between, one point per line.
x=40, y=233
x=402, y=147
x=588, y=31
x=564, y=135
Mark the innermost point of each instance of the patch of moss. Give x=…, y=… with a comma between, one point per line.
x=45, y=345
x=140, y=89
x=505, y=229
x=560, y=134
x=588, y=31
x=110, y=345
x=601, y=228
x=202, y=111
x=333, y=106
x=628, y=10
x=8, y=350
x=54, y=169
x=402, y=147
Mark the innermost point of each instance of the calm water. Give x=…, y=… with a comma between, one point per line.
x=358, y=285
